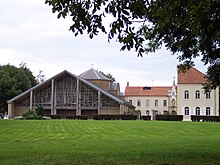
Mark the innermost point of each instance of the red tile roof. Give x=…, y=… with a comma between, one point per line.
x=191, y=76
x=140, y=91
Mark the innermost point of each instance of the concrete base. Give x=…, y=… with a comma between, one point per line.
x=187, y=118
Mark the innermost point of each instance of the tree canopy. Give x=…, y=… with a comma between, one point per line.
x=187, y=28
x=13, y=81
x=108, y=75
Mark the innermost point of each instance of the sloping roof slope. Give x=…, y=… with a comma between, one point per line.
x=149, y=91
x=191, y=76
x=80, y=79
x=93, y=74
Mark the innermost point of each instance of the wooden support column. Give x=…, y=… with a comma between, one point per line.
x=99, y=102
x=78, y=112
x=11, y=110
x=122, y=109
x=52, y=98
x=31, y=100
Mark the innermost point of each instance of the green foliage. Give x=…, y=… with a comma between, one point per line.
x=40, y=111
x=108, y=75
x=108, y=142
x=186, y=28
x=30, y=114
x=14, y=81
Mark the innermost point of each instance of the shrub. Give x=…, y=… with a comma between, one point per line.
x=114, y=117
x=205, y=118
x=30, y=114
x=146, y=117
x=77, y=117
x=40, y=111
x=169, y=117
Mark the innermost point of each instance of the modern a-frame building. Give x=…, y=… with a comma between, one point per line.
x=66, y=94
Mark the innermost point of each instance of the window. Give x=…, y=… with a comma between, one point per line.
x=197, y=94
x=147, y=112
x=197, y=111
x=139, y=103
x=147, y=103
x=208, y=111
x=130, y=101
x=173, y=102
x=186, y=94
x=166, y=112
x=186, y=110
x=156, y=103
x=207, y=95
x=164, y=103
x=155, y=112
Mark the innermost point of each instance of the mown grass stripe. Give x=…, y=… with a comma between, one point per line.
x=108, y=142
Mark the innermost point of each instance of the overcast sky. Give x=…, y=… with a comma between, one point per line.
x=31, y=33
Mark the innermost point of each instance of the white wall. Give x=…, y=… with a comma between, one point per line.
x=143, y=108
x=192, y=102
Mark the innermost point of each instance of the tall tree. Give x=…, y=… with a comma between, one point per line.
x=14, y=81
x=187, y=28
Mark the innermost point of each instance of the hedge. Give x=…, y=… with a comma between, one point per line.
x=205, y=118
x=146, y=117
x=114, y=117
x=77, y=117
x=169, y=117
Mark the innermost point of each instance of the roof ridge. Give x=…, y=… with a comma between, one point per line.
x=95, y=71
x=93, y=74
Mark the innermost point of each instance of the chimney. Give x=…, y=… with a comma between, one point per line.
x=127, y=84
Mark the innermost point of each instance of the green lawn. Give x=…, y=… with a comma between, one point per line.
x=108, y=142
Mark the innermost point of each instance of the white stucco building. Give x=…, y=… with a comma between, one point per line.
x=192, y=99
x=186, y=98
x=153, y=100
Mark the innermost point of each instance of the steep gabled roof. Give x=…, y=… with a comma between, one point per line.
x=93, y=74
x=38, y=86
x=191, y=76
x=80, y=79
x=147, y=91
